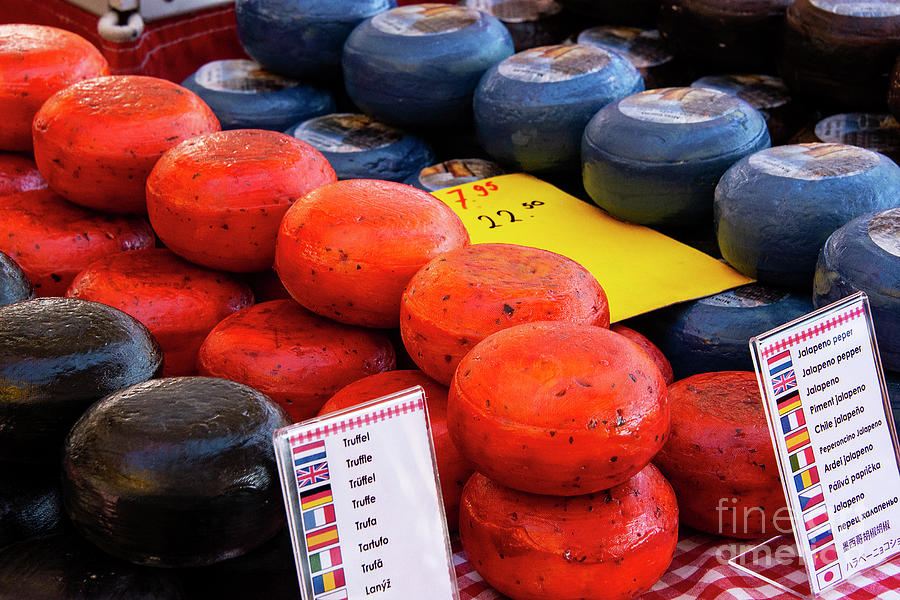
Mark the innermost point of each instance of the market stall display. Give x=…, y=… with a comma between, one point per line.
x=354, y=274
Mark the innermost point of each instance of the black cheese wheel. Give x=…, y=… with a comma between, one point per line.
x=65, y=567
x=58, y=356
x=176, y=472
x=30, y=502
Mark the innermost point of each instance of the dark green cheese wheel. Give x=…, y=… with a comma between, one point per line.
x=417, y=66
x=723, y=35
x=57, y=357
x=30, y=502
x=65, y=567
x=359, y=147
x=531, y=109
x=301, y=38
x=644, y=48
x=243, y=95
x=14, y=285
x=176, y=472
x=654, y=158
x=713, y=333
x=531, y=23
x=864, y=255
x=775, y=209
x=616, y=12
x=839, y=53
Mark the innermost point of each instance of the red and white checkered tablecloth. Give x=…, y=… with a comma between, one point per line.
x=698, y=572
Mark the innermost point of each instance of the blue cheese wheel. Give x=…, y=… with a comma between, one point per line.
x=417, y=66
x=874, y=131
x=531, y=109
x=301, y=38
x=244, y=95
x=864, y=255
x=453, y=172
x=767, y=94
x=358, y=147
x=775, y=209
x=654, y=158
x=644, y=48
x=713, y=333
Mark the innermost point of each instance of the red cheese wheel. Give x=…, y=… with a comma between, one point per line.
x=18, y=173
x=464, y=295
x=53, y=240
x=35, y=62
x=96, y=141
x=347, y=249
x=665, y=367
x=178, y=302
x=719, y=457
x=218, y=199
x=453, y=469
x=297, y=358
x=610, y=545
x=558, y=408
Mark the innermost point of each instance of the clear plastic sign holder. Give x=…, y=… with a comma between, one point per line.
x=832, y=428
x=364, y=505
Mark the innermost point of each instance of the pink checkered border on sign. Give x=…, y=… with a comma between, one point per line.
x=806, y=334
x=363, y=420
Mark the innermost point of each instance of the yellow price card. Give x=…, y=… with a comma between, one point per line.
x=639, y=268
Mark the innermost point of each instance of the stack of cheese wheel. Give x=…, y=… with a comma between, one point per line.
x=561, y=421
x=531, y=109
x=775, y=208
x=417, y=66
x=654, y=158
